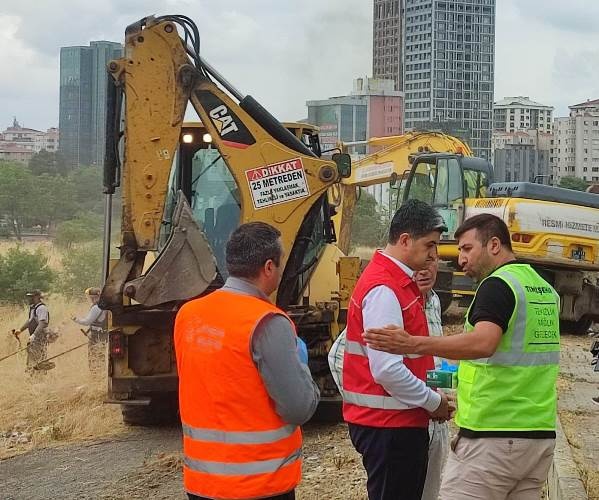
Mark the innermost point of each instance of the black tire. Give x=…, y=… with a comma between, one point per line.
x=580, y=327
x=163, y=410
x=329, y=410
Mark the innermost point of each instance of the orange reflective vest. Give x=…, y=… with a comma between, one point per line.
x=235, y=444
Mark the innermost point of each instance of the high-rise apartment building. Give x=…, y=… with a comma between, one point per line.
x=82, y=116
x=576, y=143
x=446, y=52
x=520, y=113
x=386, y=49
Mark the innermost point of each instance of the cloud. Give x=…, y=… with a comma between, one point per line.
x=578, y=16
x=282, y=53
x=540, y=54
x=29, y=82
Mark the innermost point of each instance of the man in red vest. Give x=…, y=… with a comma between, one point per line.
x=386, y=402
x=244, y=389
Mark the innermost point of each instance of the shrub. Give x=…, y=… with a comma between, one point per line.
x=21, y=271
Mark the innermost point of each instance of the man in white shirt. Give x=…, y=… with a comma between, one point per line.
x=385, y=398
x=37, y=325
x=96, y=333
x=438, y=430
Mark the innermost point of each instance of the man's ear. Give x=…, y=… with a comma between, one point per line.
x=404, y=240
x=494, y=245
x=268, y=267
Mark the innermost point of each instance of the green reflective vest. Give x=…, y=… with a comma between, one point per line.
x=515, y=388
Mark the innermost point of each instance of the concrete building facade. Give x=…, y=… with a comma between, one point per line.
x=386, y=49
x=82, y=114
x=372, y=109
x=520, y=113
x=522, y=156
x=575, y=149
x=29, y=138
x=18, y=143
x=446, y=52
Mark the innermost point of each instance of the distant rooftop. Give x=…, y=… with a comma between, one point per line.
x=588, y=103
x=16, y=127
x=520, y=101
x=11, y=147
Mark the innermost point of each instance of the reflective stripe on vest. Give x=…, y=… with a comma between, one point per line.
x=516, y=356
x=245, y=468
x=353, y=347
x=238, y=437
x=374, y=401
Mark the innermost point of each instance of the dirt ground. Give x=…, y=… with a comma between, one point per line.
x=146, y=463
x=579, y=415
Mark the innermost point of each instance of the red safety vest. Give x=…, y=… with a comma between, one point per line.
x=364, y=401
x=235, y=444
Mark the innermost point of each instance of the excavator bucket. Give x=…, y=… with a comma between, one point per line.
x=184, y=268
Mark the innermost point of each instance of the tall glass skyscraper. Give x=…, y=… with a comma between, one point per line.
x=446, y=49
x=82, y=115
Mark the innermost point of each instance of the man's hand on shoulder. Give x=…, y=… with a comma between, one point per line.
x=392, y=339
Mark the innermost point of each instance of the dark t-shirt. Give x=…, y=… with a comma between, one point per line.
x=495, y=302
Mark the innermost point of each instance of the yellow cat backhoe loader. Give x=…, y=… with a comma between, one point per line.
x=184, y=190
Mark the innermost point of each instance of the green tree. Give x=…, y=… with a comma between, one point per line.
x=81, y=229
x=81, y=268
x=46, y=162
x=87, y=185
x=21, y=271
x=17, y=194
x=571, y=182
x=54, y=196
x=369, y=224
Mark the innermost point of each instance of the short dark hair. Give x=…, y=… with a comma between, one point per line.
x=487, y=226
x=250, y=246
x=416, y=218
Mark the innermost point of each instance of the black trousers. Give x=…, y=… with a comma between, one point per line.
x=284, y=496
x=395, y=460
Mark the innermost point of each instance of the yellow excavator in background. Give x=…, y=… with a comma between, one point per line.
x=389, y=165
x=184, y=190
x=555, y=230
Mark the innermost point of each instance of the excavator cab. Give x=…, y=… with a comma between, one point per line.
x=445, y=181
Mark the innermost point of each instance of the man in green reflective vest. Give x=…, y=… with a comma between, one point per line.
x=507, y=397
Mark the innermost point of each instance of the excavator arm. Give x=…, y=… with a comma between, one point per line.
x=278, y=179
x=389, y=165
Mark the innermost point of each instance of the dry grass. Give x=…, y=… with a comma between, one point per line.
x=63, y=404
x=54, y=255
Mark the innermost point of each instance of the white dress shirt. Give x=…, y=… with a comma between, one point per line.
x=380, y=307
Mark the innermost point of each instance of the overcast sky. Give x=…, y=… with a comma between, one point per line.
x=284, y=53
